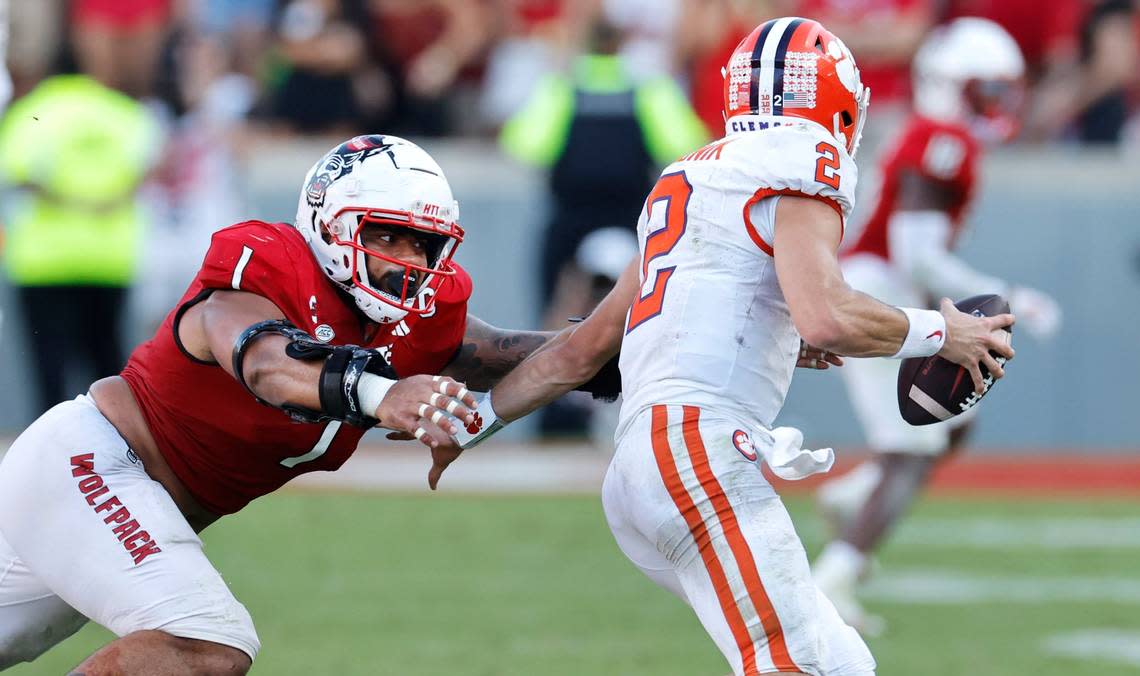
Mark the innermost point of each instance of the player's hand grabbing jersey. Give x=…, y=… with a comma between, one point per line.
x=711, y=327
x=223, y=445
x=943, y=153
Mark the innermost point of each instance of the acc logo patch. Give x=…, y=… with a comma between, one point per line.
x=743, y=443
x=324, y=333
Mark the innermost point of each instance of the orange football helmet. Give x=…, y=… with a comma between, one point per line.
x=793, y=67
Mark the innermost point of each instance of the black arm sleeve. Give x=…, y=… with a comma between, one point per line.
x=340, y=375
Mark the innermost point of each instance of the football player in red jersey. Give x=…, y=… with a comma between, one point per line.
x=967, y=92
x=283, y=352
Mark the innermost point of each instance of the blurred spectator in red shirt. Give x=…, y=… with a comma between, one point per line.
x=713, y=28
x=427, y=45
x=119, y=42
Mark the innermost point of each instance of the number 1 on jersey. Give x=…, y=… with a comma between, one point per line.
x=674, y=190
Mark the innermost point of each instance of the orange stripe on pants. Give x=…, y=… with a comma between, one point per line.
x=700, y=533
x=736, y=542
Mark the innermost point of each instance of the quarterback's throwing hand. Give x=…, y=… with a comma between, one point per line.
x=418, y=407
x=973, y=342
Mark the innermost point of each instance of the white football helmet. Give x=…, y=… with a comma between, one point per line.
x=379, y=180
x=971, y=71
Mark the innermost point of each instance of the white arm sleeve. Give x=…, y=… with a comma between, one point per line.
x=919, y=246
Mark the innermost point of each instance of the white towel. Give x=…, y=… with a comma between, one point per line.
x=788, y=460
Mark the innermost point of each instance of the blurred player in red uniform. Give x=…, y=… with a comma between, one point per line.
x=283, y=352
x=967, y=92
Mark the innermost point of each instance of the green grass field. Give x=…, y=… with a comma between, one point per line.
x=482, y=586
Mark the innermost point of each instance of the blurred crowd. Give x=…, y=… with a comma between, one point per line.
x=115, y=85
x=463, y=67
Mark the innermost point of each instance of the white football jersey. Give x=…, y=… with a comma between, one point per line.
x=711, y=327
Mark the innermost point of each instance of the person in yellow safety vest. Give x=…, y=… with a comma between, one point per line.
x=74, y=154
x=604, y=134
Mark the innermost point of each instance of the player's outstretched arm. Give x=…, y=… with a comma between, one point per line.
x=488, y=353
x=573, y=357
x=415, y=405
x=921, y=233
x=831, y=315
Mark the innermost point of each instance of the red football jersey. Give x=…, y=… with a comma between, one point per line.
x=939, y=151
x=224, y=446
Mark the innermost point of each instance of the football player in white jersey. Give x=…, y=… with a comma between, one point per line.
x=738, y=262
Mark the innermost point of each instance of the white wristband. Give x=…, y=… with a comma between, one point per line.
x=926, y=335
x=487, y=422
x=370, y=392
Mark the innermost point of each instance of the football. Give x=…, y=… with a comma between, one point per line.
x=933, y=389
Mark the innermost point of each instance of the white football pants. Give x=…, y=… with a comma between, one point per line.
x=86, y=533
x=691, y=509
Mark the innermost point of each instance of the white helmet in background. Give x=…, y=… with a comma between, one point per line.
x=971, y=71
x=379, y=180
x=606, y=252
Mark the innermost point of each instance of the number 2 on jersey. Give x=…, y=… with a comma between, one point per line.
x=674, y=190
x=827, y=165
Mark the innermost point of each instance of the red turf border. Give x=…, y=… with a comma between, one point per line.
x=1052, y=475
